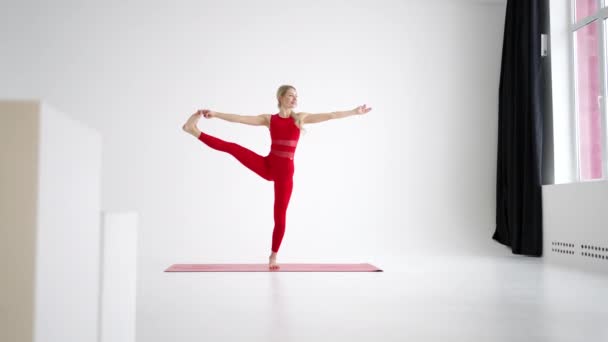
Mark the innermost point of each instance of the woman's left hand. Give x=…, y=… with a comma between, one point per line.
x=362, y=110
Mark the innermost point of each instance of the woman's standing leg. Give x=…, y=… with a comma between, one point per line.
x=282, y=172
x=282, y=194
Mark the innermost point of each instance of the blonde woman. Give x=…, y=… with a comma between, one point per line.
x=278, y=165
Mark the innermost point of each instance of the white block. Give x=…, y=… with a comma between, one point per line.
x=50, y=172
x=119, y=277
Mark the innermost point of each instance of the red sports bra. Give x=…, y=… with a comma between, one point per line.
x=285, y=135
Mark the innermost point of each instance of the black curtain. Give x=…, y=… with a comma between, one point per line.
x=520, y=129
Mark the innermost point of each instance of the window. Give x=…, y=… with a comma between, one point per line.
x=584, y=8
x=588, y=96
x=605, y=96
x=589, y=68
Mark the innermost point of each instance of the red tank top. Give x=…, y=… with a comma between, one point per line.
x=285, y=135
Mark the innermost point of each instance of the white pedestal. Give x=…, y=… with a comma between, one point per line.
x=119, y=277
x=50, y=169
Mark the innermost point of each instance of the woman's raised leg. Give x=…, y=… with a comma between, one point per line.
x=250, y=159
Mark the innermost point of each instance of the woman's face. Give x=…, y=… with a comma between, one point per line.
x=290, y=99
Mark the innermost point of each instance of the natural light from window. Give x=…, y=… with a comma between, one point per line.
x=589, y=65
x=588, y=96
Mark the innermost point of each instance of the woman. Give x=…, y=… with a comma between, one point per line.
x=278, y=165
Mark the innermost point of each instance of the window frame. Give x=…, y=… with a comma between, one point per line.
x=601, y=16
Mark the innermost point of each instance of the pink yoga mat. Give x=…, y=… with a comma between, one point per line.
x=264, y=268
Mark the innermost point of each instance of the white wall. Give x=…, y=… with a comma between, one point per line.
x=575, y=221
x=416, y=175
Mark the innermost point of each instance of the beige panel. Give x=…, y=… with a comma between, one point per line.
x=19, y=127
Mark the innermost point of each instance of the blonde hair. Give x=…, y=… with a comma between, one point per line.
x=280, y=93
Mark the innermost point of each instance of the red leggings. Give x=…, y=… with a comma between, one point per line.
x=272, y=168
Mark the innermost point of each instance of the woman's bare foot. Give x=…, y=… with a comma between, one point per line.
x=190, y=125
x=272, y=261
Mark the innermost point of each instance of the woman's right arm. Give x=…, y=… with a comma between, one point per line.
x=253, y=120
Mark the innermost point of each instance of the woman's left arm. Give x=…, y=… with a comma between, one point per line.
x=308, y=118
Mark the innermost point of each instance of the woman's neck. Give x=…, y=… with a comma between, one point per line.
x=285, y=113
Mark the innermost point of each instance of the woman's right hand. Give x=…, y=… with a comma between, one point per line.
x=207, y=113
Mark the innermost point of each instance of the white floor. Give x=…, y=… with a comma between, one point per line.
x=424, y=299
